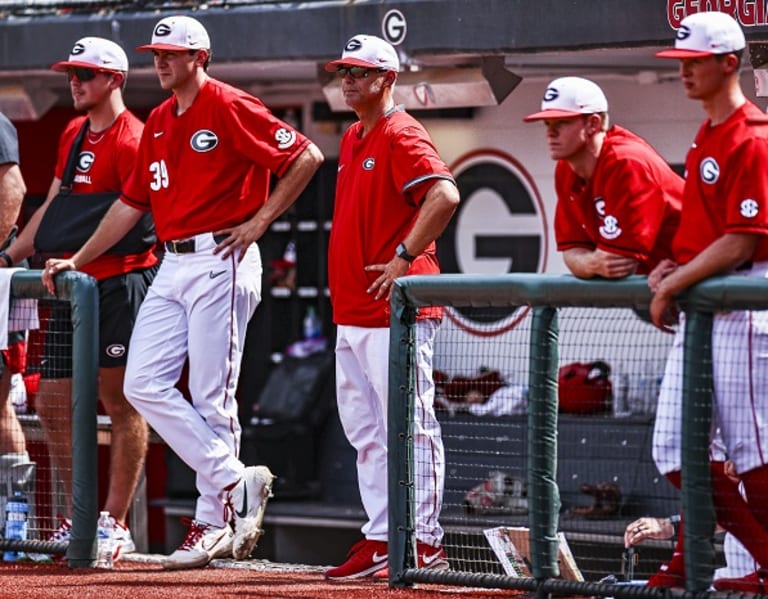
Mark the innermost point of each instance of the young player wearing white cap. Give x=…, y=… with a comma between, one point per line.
x=203, y=170
x=618, y=201
x=723, y=229
x=394, y=196
x=97, y=69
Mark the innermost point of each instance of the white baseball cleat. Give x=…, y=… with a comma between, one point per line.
x=249, y=499
x=203, y=543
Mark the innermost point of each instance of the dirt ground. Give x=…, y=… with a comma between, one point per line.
x=142, y=577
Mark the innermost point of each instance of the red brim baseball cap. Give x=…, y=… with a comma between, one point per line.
x=551, y=114
x=162, y=47
x=676, y=53
x=63, y=65
x=349, y=62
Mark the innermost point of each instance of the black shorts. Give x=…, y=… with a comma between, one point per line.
x=119, y=301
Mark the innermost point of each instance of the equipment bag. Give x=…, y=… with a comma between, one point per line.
x=71, y=218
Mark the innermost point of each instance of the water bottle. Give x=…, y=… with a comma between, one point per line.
x=106, y=538
x=312, y=326
x=16, y=513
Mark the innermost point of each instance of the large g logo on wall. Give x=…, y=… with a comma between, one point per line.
x=499, y=227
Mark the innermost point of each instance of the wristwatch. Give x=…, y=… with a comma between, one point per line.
x=7, y=258
x=402, y=252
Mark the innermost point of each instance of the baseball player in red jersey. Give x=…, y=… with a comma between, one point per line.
x=96, y=70
x=203, y=170
x=723, y=229
x=394, y=196
x=618, y=201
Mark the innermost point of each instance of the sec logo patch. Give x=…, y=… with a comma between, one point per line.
x=748, y=208
x=285, y=138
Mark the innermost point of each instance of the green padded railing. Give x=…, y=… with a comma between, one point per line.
x=545, y=293
x=82, y=292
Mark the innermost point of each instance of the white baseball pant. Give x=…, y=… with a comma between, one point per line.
x=198, y=307
x=362, y=384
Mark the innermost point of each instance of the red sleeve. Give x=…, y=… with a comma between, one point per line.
x=262, y=137
x=747, y=201
x=416, y=165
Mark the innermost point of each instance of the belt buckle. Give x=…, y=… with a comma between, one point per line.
x=182, y=246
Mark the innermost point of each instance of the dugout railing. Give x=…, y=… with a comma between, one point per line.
x=81, y=291
x=546, y=294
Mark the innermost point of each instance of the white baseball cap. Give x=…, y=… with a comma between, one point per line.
x=568, y=97
x=95, y=53
x=178, y=33
x=705, y=34
x=366, y=51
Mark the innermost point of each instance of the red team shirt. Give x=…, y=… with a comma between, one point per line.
x=209, y=168
x=106, y=161
x=382, y=180
x=631, y=205
x=726, y=185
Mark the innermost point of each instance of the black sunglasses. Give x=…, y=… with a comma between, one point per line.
x=356, y=72
x=83, y=75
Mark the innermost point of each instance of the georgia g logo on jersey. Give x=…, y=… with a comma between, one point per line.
x=204, y=141
x=85, y=161
x=285, y=138
x=709, y=171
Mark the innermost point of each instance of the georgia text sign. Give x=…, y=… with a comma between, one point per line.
x=750, y=13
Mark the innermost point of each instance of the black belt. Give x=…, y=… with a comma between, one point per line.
x=187, y=246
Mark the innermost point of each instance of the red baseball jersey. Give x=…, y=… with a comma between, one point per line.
x=630, y=206
x=726, y=185
x=105, y=162
x=382, y=180
x=209, y=168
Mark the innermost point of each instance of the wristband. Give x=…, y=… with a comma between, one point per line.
x=7, y=258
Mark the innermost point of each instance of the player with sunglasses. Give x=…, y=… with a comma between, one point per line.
x=205, y=161
x=394, y=197
x=96, y=71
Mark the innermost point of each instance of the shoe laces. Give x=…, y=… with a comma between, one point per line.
x=62, y=533
x=194, y=534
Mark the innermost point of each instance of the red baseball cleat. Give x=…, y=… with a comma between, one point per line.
x=428, y=558
x=365, y=558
